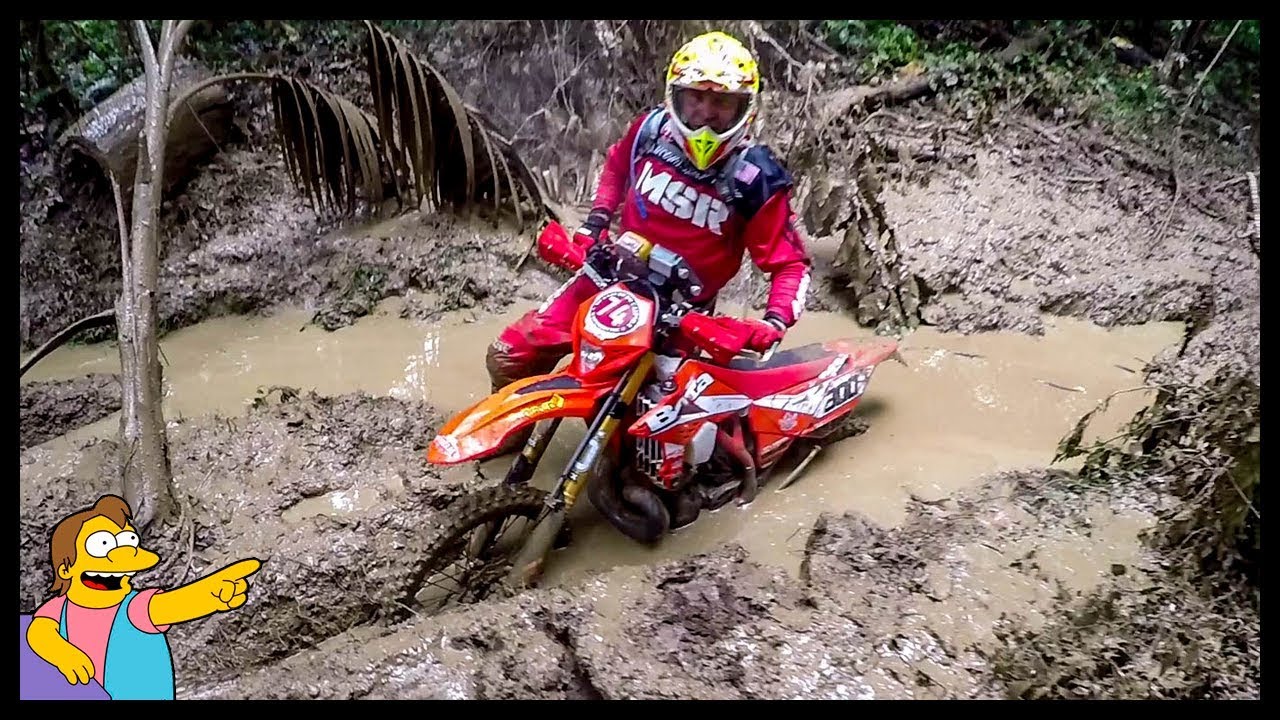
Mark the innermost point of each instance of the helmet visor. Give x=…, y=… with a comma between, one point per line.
x=715, y=109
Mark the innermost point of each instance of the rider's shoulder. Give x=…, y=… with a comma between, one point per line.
x=759, y=175
x=637, y=122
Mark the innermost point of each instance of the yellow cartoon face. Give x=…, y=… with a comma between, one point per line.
x=107, y=556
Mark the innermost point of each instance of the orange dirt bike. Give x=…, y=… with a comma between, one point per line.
x=669, y=433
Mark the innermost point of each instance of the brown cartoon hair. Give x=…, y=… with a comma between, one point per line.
x=62, y=546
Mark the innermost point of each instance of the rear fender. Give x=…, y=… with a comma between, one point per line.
x=807, y=407
x=482, y=428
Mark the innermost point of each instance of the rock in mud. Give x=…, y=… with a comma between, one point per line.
x=55, y=407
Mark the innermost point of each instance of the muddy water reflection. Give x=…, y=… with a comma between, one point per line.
x=964, y=406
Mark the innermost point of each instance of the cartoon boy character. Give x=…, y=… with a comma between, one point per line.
x=98, y=627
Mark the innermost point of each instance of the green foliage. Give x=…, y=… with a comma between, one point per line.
x=880, y=45
x=91, y=58
x=1077, y=72
x=80, y=54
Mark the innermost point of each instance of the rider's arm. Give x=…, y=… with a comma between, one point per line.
x=771, y=235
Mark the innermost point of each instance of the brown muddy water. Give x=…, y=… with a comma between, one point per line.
x=963, y=407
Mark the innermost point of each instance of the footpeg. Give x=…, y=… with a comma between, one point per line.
x=720, y=494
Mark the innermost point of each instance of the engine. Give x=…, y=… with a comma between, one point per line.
x=664, y=463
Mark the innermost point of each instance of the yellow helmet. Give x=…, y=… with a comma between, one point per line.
x=712, y=123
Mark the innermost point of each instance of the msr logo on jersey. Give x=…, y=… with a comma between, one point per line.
x=681, y=200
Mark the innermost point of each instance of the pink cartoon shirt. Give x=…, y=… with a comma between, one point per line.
x=89, y=628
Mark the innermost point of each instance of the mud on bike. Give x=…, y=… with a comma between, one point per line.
x=669, y=433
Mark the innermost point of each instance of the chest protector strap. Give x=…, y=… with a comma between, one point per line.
x=647, y=138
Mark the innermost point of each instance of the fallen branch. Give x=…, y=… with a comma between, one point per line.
x=872, y=97
x=106, y=317
x=758, y=30
x=1051, y=384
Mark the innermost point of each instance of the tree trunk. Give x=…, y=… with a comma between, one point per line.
x=147, y=477
x=108, y=134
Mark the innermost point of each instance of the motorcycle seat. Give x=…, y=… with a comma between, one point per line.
x=793, y=366
x=782, y=358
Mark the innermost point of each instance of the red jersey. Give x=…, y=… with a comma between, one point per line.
x=710, y=218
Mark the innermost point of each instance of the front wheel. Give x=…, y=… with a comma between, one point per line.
x=467, y=557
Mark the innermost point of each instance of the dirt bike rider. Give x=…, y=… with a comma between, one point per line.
x=693, y=180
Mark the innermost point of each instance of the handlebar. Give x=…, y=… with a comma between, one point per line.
x=660, y=272
x=724, y=338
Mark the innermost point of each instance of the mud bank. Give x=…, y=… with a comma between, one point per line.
x=1071, y=227
x=897, y=613
x=240, y=240
x=330, y=493
x=54, y=407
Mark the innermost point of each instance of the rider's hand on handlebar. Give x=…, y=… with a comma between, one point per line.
x=593, y=230
x=764, y=333
x=559, y=248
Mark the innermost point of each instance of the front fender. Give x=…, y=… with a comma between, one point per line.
x=483, y=428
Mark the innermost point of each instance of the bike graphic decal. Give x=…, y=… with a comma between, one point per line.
x=693, y=406
x=614, y=314
x=822, y=399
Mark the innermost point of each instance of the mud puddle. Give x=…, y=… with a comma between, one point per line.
x=964, y=407
x=221, y=365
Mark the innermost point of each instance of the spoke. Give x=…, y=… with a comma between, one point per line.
x=479, y=573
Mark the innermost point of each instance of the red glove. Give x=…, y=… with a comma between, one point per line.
x=570, y=252
x=764, y=333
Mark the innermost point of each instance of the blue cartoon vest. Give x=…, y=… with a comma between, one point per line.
x=139, y=665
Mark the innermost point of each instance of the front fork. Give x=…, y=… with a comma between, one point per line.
x=598, y=435
x=528, y=564
x=525, y=463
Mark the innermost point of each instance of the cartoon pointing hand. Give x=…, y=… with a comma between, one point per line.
x=220, y=591
x=95, y=554
x=229, y=585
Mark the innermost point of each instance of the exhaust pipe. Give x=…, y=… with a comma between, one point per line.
x=649, y=522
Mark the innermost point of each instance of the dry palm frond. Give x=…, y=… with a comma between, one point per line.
x=331, y=147
x=440, y=151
